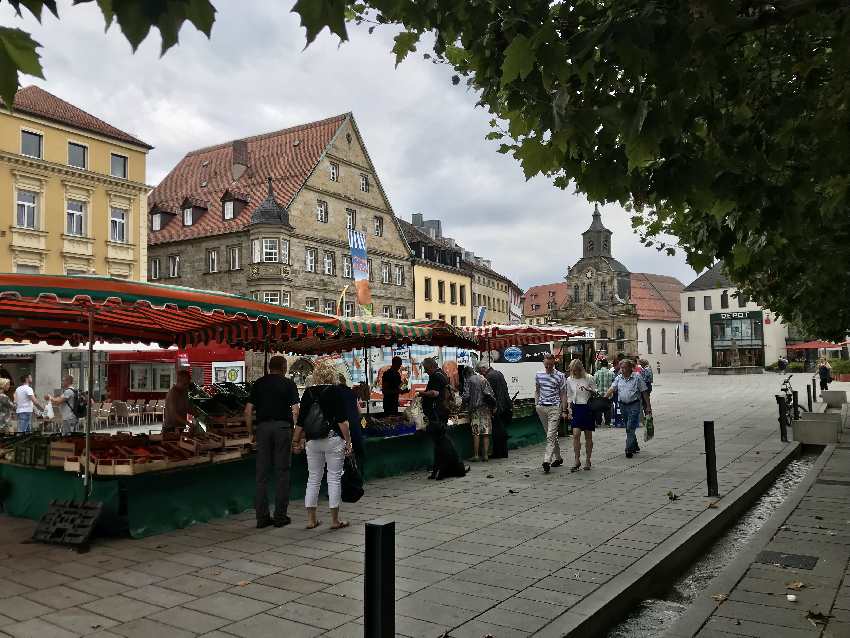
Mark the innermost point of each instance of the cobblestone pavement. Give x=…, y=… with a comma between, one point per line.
x=502, y=551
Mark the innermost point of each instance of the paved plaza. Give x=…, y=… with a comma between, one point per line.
x=505, y=551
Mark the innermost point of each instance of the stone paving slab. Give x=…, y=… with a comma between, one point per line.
x=813, y=522
x=506, y=551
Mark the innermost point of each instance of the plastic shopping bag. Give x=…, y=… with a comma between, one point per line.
x=649, y=431
x=48, y=411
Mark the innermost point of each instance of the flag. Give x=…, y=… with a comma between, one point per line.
x=480, y=313
x=360, y=268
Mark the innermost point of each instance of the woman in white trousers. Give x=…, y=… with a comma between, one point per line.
x=329, y=451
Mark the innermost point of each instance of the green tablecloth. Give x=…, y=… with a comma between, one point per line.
x=163, y=501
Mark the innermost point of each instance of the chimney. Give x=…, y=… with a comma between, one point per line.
x=239, y=163
x=417, y=220
x=487, y=263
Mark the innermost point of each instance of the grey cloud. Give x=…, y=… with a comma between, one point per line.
x=424, y=135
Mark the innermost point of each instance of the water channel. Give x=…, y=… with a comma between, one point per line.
x=653, y=616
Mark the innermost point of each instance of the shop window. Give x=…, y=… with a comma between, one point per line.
x=692, y=304
x=663, y=341
x=724, y=300
x=146, y=377
x=648, y=341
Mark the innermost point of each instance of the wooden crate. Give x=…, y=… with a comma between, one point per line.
x=61, y=450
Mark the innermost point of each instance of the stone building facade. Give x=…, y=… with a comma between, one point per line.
x=625, y=309
x=268, y=217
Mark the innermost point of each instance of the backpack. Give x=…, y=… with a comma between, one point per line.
x=488, y=396
x=315, y=425
x=79, y=408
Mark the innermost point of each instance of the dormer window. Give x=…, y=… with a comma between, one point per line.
x=187, y=216
x=156, y=221
x=228, y=209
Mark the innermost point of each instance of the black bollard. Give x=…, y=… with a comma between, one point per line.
x=710, y=458
x=809, y=397
x=379, y=580
x=796, y=396
x=782, y=404
x=814, y=389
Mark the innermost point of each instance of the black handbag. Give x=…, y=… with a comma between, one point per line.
x=598, y=403
x=352, y=481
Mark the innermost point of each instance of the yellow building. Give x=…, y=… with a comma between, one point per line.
x=75, y=191
x=441, y=289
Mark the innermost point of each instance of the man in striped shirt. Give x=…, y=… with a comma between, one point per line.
x=550, y=393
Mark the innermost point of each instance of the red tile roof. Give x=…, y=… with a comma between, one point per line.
x=288, y=157
x=540, y=295
x=656, y=297
x=36, y=101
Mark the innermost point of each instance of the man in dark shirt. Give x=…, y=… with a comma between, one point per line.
x=275, y=399
x=391, y=386
x=352, y=414
x=433, y=404
x=503, y=414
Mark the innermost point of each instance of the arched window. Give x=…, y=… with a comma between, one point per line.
x=576, y=293
x=603, y=292
x=664, y=341
x=648, y=341
x=590, y=292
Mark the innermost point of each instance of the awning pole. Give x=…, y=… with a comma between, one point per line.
x=366, y=352
x=87, y=476
x=489, y=356
x=266, y=357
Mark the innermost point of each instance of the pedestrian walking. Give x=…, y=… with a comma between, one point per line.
x=435, y=396
x=7, y=407
x=273, y=405
x=658, y=366
x=391, y=386
x=25, y=402
x=603, y=378
x=67, y=403
x=630, y=387
x=475, y=388
x=503, y=414
x=323, y=431
x=352, y=413
x=550, y=396
x=176, y=413
x=824, y=373
x=648, y=379
x=580, y=389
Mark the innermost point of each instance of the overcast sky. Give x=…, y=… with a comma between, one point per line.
x=424, y=135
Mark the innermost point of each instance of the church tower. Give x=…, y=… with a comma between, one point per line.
x=597, y=238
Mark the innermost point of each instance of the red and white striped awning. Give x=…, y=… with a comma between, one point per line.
x=498, y=336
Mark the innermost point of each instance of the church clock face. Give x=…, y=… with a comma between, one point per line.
x=588, y=273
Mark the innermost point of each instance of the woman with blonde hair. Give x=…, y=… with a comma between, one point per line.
x=580, y=389
x=323, y=431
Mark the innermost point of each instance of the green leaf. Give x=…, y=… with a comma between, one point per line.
x=318, y=14
x=405, y=42
x=519, y=60
x=35, y=7
x=21, y=49
x=741, y=255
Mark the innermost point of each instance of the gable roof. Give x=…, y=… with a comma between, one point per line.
x=656, y=297
x=36, y=101
x=414, y=234
x=288, y=156
x=711, y=279
x=540, y=295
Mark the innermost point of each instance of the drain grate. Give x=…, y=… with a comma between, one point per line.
x=797, y=561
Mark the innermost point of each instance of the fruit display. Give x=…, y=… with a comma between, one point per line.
x=387, y=425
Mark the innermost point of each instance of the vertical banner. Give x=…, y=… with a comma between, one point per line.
x=360, y=270
x=480, y=313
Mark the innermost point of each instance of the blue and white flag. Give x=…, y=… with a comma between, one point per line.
x=360, y=269
x=480, y=313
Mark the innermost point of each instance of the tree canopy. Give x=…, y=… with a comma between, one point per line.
x=723, y=123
